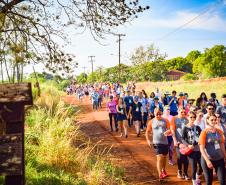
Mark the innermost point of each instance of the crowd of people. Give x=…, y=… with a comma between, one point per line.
x=193, y=128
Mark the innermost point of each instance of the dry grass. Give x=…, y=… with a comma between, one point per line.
x=193, y=88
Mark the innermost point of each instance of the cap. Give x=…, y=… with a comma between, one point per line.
x=156, y=98
x=181, y=94
x=167, y=92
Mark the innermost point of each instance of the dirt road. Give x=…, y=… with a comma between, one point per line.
x=132, y=153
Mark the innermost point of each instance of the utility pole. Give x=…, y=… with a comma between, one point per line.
x=92, y=61
x=119, y=54
x=84, y=69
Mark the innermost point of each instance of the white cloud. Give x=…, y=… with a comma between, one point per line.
x=211, y=21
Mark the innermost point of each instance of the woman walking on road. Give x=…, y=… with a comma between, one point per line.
x=112, y=112
x=122, y=117
x=212, y=148
x=177, y=125
x=137, y=114
x=160, y=128
x=190, y=138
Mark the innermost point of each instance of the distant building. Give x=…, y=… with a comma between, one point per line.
x=174, y=75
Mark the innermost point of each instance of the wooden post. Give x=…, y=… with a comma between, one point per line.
x=13, y=98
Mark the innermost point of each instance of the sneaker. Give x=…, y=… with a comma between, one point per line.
x=161, y=177
x=179, y=175
x=186, y=177
x=171, y=162
x=121, y=135
x=138, y=135
x=126, y=136
x=116, y=130
x=164, y=174
x=141, y=130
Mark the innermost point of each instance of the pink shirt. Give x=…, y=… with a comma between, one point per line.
x=112, y=107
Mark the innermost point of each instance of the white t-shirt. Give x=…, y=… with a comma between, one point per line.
x=201, y=124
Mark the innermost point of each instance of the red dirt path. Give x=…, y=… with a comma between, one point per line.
x=132, y=153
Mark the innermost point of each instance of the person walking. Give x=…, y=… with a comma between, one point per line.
x=202, y=101
x=212, y=149
x=221, y=110
x=169, y=117
x=221, y=126
x=128, y=100
x=122, y=117
x=173, y=103
x=177, y=125
x=112, y=112
x=155, y=104
x=210, y=110
x=145, y=106
x=199, y=120
x=160, y=128
x=213, y=100
x=137, y=112
x=94, y=98
x=190, y=139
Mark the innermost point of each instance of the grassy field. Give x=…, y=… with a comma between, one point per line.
x=193, y=88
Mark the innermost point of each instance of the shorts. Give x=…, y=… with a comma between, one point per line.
x=161, y=149
x=121, y=117
x=137, y=119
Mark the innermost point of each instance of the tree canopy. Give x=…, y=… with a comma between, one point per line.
x=29, y=29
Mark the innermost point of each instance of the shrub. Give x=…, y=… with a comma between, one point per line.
x=63, y=84
x=189, y=76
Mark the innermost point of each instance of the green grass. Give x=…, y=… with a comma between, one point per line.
x=193, y=88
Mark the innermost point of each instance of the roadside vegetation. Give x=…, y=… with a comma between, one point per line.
x=56, y=152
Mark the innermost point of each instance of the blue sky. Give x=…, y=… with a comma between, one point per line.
x=164, y=16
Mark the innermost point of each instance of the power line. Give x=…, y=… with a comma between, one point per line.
x=190, y=21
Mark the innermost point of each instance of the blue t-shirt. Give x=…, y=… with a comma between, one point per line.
x=128, y=100
x=174, y=104
x=144, y=103
x=95, y=96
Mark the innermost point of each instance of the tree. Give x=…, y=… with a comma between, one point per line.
x=212, y=63
x=39, y=23
x=143, y=55
x=179, y=63
x=192, y=56
x=82, y=78
x=142, y=59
